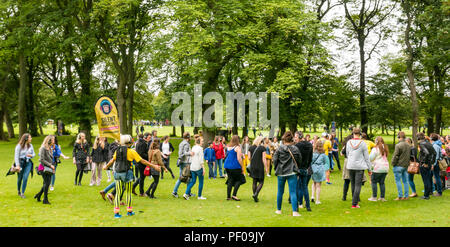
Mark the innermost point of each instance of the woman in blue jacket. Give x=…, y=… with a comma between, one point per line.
x=320, y=164
x=210, y=156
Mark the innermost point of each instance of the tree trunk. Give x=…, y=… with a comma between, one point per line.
x=121, y=105
x=9, y=124
x=31, y=109
x=362, y=85
x=22, y=111
x=2, y=133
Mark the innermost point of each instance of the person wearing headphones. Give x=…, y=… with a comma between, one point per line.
x=124, y=156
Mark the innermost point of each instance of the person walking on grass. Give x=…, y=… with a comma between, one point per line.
x=380, y=168
x=335, y=149
x=320, y=164
x=257, y=157
x=327, y=151
x=80, y=156
x=184, y=159
x=123, y=175
x=166, y=149
x=98, y=160
x=400, y=163
x=244, y=147
x=57, y=153
x=220, y=155
x=358, y=162
x=413, y=158
x=23, y=154
x=210, y=157
x=234, y=169
x=46, y=159
x=437, y=145
x=427, y=156
x=155, y=157
x=197, y=170
x=142, y=148
x=306, y=151
x=285, y=161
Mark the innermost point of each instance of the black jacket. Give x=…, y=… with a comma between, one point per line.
x=427, y=154
x=142, y=148
x=283, y=162
x=306, y=151
x=99, y=155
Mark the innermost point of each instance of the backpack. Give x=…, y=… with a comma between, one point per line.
x=122, y=164
x=186, y=174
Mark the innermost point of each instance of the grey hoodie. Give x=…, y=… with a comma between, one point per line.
x=357, y=155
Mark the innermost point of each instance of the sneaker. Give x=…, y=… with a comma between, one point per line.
x=117, y=216
x=278, y=212
x=312, y=199
x=91, y=184
x=318, y=202
x=413, y=195
x=329, y=183
x=437, y=194
x=425, y=198
x=295, y=214
x=110, y=198
x=191, y=195
x=382, y=199
x=186, y=196
x=201, y=198
x=174, y=194
x=268, y=175
x=130, y=213
x=372, y=199
x=308, y=209
x=51, y=188
x=357, y=206
x=300, y=206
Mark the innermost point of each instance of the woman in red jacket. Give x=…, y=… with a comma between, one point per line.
x=220, y=155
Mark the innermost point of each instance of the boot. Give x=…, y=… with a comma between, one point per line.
x=38, y=197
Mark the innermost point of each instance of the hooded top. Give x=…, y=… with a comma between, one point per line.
x=357, y=155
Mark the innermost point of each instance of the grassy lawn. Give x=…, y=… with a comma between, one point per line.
x=83, y=206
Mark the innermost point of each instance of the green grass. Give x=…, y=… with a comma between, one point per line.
x=83, y=206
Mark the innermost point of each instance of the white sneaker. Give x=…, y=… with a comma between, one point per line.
x=278, y=212
x=372, y=199
x=317, y=203
x=268, y=175
x=51, y=188
x=91, y=184
x=186, y=196
x=295, y=214
x=201, y=198
x=300, y=206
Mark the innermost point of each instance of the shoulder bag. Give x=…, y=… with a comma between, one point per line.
x=413, y=167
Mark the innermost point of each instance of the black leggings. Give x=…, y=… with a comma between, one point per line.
x=151, y=190
x=235, y=179
x=257, y=186
x=47, y=178
x=79, y=173
x=167, y=165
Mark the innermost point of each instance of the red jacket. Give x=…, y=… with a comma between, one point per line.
x=219, y=151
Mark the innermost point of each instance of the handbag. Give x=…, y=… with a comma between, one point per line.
x=443, y=165
x=413, y=167
x=186, y=174
x=47, y=170
x=147, y=170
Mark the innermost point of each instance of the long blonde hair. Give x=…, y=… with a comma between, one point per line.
x=47, y=141
x=258, y=141
x=99, y=140
x=79, y=138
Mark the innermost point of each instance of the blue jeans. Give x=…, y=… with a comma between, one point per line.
x=400, y=173
x=54, y=175
x=219, y=164
x=292, y=183
x=177, y=184
x=330, y=157
x=438, y=186
x=211, y=170
x=411, y=182
x=194, y=175
x=109, y=187
x=22, y=176
x=302, y=188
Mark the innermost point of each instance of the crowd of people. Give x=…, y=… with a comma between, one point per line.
x=296, y=159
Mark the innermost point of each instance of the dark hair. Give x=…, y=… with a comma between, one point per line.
x=287, y=137
x=364, y=136
x=356, y=131
x=420, y=136
x=209, y=143
x=146, y=134
x=300, y=134
x=186, y=135
x=155, y=144
x=434, y=136
x=140, y=136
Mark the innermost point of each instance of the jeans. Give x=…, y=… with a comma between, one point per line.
x=124, y=176
x=330, y=157
x=194, y=175
x=378, y=178
x=400, y=173
x=427, y=180
x=109, y=187
x=22, y=176
x=140, y=181
x=292, y=183
x=219, y=164
x=437, y=177
x=177, y=184
x=211, y=170
x=54, y=175
x=336, y=156
x=302, y=188
x=356, y=177
x=411, y=182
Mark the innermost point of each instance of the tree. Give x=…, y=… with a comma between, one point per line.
x=369, y=17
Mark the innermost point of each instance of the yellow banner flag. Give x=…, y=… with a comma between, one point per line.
x=107, y=118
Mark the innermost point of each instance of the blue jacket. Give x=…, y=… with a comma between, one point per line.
x=209, y=154
x=437, y=147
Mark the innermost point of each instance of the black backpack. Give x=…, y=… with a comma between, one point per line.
x=122, y=164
